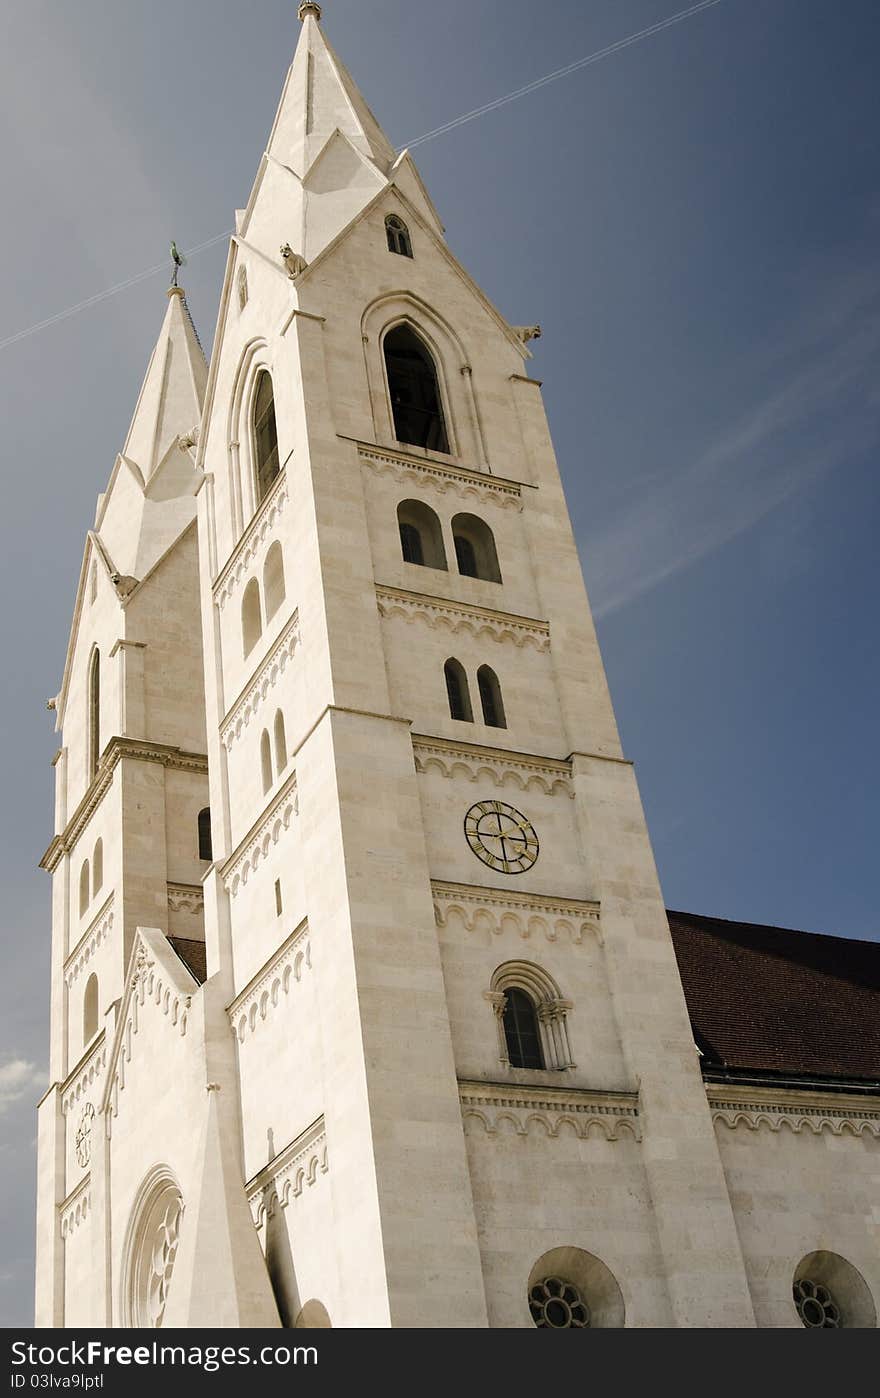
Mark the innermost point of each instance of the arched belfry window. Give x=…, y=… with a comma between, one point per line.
x=475, y=551
x=94, y=713
x=206, y=850
x=490, y=698
x=280, y=743
x=457, y=691
x=98, y=867
x=531, y=1017
x=266, y=761
x=414, y=390
x=265, y=435
x=90, y=1009
x=84, y=889
x=421, y=535
x=273, y=580
x=398, y=237
x=251, y=617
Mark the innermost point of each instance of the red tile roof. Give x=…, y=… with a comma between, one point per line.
x=777, y=1001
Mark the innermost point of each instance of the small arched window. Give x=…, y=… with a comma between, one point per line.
x=94, y=713
x=415, y=391
x=265, y=435
x=90, y=1009
x=84, y=888
x=531, y=1016
x=398, y=237
x=242, y=288
x=273, y=580
x=421, y=537
x=475, y=550
x=280, y=744
x=490, y=698
x=266, y=761
x=97, y=867
x=206, y=850
x=521, y=1032
x=457, y=691
x=251, y=617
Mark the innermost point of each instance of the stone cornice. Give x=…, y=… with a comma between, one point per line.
x=98, y=931
x=266, y=831
x=76, y=1207
x=298, y=1164
x=267, y=676
x=518, y=769
x=754, y=1108
x=118, y=748
x=251, y=541
x=474, y=485
x=87, y=1071
x=526, y=914
x=551, y=1110
x=463, y=616
x=185, y=897
x=263, y=992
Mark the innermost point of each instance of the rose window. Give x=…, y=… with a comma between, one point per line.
x=816, y=1306
x=164, y=1253
x=558, y=1305
x=154, y=1251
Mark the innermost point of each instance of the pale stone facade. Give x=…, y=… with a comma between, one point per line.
x=291, y=1098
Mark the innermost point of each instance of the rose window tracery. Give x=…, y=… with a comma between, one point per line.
x=815, y=1305
x=556, y=1304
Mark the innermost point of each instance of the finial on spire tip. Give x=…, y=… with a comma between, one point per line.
x=309, y=7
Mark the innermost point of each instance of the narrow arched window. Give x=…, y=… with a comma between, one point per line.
x=521, y=1031
x=90, y=1009
x=84, y=889
x=98, y=867
x=421, y=536
x=266, y=761
x=280, y=744
x=265, y=435
x=242, y=288
x=273, y=580
x=398, y=237
x=251, y=617
x=457, y=691
x=206, y=850
x=490, y=698
x=415, y=391
x=475, y=550
x=94, y=714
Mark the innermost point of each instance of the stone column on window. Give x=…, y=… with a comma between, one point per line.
x=498, y=1000
x=554, y=1033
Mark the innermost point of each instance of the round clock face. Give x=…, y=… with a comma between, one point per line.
x=84, y=1135
x=501, y=836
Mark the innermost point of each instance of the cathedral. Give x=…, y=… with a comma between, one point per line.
x=366, y=1008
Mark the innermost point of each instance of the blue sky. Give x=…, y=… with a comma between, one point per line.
x=694, y=221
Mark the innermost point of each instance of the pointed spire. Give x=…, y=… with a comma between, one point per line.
x=173, y=391
x=320, y=96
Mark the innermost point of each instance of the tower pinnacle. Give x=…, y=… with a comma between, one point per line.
x=309, y=7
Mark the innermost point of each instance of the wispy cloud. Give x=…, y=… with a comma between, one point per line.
x=817, y=411
x=17, y=1078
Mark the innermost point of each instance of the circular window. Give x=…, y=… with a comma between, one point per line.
x=815, y=1305
x=829, y=1293
x=558, y=1305
x=152, y=1252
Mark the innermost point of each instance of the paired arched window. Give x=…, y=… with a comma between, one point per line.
x=280, y=744
x=251, y=617
x=93, y=726
x=206, y=850
x=421, y=537
x=415, y=390
x=490, y=698
x=265, y=761
x=457, y=691
x=531, y=1017
x=273, y=580
x=459, y=696
x=84, y=888
x=90, y=1009
x=475, y=550
x=398, y=237
x=267, y=466
x=97, y=867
